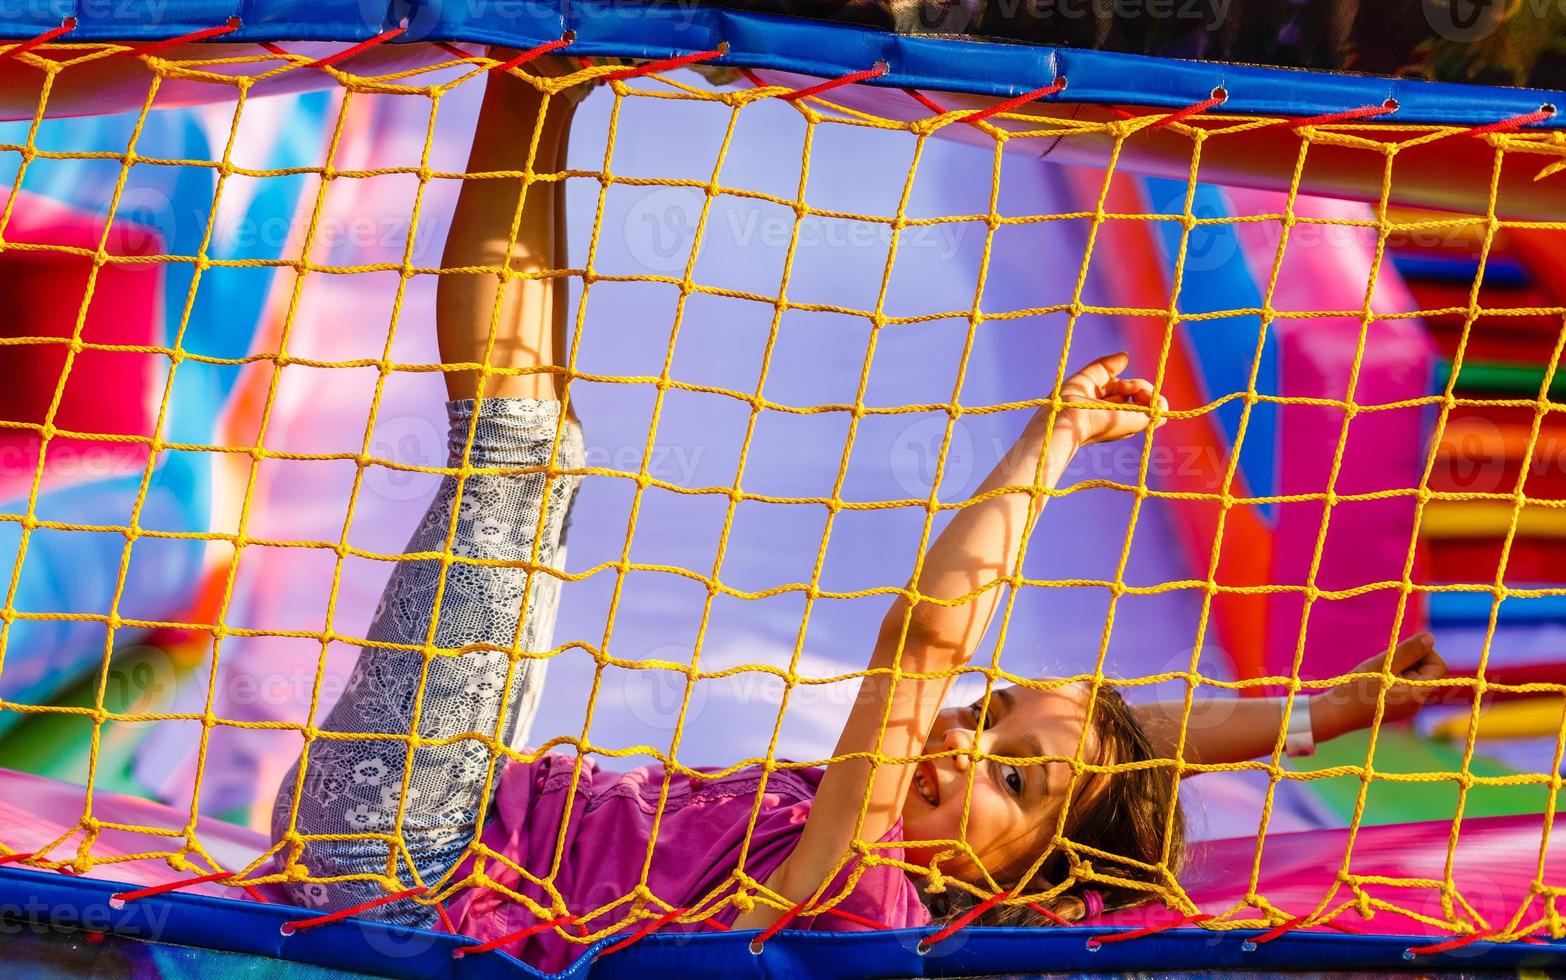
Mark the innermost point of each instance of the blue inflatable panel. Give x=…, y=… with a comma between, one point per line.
x=1500, y=271
x=1473, y=609
x=34, y=900
x=626, y=28
x=1002, y=951
x=1218, y=279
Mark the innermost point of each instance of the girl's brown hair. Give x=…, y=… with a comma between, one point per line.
x=1123, y=813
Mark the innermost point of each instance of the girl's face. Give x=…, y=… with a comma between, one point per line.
x=1013, y=805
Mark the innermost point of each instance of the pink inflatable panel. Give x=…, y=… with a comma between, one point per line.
x=37, y=811
x=1494, y=869
x=1366, y=541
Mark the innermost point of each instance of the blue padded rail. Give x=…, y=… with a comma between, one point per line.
x=626, y=28
x=48, y=900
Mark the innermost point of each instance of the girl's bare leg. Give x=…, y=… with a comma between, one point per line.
x=530, y=320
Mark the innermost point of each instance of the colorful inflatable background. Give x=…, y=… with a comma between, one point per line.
x=817, y=361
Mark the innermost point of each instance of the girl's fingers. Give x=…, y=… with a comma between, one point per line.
x=1100, y=381
x=1127, y=389
x=1411, y=651
x=1101, y=372
x=1430, y=668
x=1139, y=390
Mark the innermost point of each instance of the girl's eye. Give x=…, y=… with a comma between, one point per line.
x=1012, y=777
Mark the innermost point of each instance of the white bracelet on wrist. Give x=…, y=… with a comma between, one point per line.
x=1301, y=737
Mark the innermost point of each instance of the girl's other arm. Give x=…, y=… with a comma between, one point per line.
x=1231, y=729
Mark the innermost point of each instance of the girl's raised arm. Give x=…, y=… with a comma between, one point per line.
x=893, y=714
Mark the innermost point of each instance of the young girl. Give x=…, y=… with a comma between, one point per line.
x=457, y=654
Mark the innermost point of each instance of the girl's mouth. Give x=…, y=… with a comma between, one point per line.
x=925, y=783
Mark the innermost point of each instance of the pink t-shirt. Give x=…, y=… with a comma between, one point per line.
x=699, y=839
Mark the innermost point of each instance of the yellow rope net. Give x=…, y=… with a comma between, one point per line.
x=1376, y=145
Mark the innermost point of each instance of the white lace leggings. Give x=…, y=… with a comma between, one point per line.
x=354, y=786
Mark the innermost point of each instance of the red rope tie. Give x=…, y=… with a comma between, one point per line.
x=1449, y=944
x=652, y=67
x=118, y=899
x=445, y=918
x=1515, y=122
x=1054, y=917
x=1120, y=937
x=364, y=45
x=978, y=115
x=848, y=916
x=510, y=938
x=875, y=71
x=268, y=45
x=13, y=858
x=925, y=945
x=1277, y=931
x=776, y=927
x=66, y=26
x=1058, y=85
x=155, y=46
x=1219, y=97
x=645, y=931
x=926, y=101
x=535, y=52
x=772, y=930
x=1363, y=112
x=255, y=894
x=289, y=928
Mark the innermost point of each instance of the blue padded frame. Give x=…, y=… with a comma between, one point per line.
x=47, y=899
x=39, y=899
x=627, y=28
